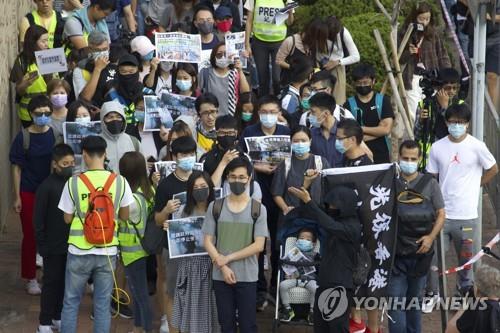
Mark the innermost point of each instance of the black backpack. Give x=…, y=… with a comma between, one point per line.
x=154, y=236
x=217, y=209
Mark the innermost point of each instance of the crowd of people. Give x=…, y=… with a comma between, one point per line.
x=89, y=213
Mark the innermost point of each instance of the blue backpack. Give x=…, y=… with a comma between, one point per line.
x=358, y=113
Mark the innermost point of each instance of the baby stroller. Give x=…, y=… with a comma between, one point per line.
x=299, y=295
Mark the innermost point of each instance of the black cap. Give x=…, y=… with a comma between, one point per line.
x=128, y=59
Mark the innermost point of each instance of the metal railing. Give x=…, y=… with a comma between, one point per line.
x=492, y=140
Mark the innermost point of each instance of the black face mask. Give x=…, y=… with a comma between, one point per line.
x=333, y=212
x=364, y=90
x=200, y=194
x=115, y=126
x=237, y=188
x=129, y=86
x=227, y=141
x=65, y=172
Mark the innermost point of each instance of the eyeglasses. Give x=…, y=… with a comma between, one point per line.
x=39, y=114
x=226, y=133
x=241, y=179
x=220, y=55
x=209, y=113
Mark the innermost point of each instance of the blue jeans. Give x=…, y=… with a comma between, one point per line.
x=78, y=270
x=142, y=7
x=403, y=285
x=138, y=284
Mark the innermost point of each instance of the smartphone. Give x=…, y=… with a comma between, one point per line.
x=33, y=75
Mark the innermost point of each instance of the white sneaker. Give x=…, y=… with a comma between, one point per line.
x=429, y=302
x=39, y=261
x=56, y=325
x=33, y=288
x=164, y=324
x=44, y=329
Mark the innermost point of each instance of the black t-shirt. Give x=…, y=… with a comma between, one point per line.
x=358, y=161
x=486, y=320
x=166, y=190
x=369, y=117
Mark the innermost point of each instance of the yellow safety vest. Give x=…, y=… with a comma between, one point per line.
x=80, y=193
x=39, y=87
x=131, y=232
x=264, y=27
x=51, y=29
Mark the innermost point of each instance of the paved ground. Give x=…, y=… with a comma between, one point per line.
x=19, y=312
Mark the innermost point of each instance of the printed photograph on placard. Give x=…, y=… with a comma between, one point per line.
x=178, y=47
x=178, y=105
x=155, y=114
x=182, y=197
x=185, y=238
x=51, y=61
x=235, y=47
x=269, y=149
x=165, y=168
x=74, y=133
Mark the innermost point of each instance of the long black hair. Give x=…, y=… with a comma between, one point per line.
x=31, y=38
x=190, y=202
x=132, y=166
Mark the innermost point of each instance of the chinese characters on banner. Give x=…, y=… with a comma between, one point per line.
x=375, y=185
x=269, y=149
x=178, y=47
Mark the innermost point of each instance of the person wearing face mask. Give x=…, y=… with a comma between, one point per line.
x=58, y=91
x=126, y=89
x=268, y=109
x=204, y=23
x=463, y=164
x=418, y=227
x=306, y=241
x=235, y=232
x=300, y=75
x=30, y=156
x=213, y=5
x=291, y=172
x=348, y=141
x=223, y=22
x=430, y=124
x=193, y=274
x=224, y=78
x=52, y=236
x=185, y=80
x=184, y=154
x=339, y=219
x=246, y=114
x=142, y=46
x=373, y=111
x=113, y=127
x=159, y=79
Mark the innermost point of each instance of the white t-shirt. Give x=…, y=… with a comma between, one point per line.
x=67, y=205
x=336, y=113
x=460, y=167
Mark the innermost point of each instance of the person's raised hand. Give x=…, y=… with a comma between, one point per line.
x=154, y=63
x=101, y=63
x=173, y=205
x=300, y=193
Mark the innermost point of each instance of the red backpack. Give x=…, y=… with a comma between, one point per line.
x=99, y=225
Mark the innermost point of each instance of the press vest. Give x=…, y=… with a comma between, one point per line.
x=130, y=233
x=39, y=87
x=264, y=28
x=55, y=29
x=80, y=194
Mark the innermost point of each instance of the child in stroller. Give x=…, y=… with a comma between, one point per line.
x=299, y=267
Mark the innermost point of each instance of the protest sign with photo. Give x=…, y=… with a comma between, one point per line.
x=185, y=238
x=165, y=168
x=270, y=149
x=74, y=133
x=178, y=105
x=156, y=114
x=51, y=61
x=205, y=60
x=235, y=47
x=178, y=47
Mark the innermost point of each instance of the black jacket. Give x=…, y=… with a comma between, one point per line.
x=50, y=229
x=343, y=240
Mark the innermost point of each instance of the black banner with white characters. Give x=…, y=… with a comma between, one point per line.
x=375, y=185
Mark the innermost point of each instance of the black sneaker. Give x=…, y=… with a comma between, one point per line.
x=125, y=311
x=287, y=315
x=261, y=301
x=310, y=318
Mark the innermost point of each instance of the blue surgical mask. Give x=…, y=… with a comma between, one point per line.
x=457, y=130
x=408, y=168
x=339, y=145
x=268, y=120
x=41, y=120
x=305, y=103
x=139, y=116
x=301, y=148
x=184, y=85
x=149, y=56
x=304, y=245
x=85, y=119
x=313, y=120
x=186, y=163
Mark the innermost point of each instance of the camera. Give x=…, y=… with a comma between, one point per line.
x=417, y=34
x=429, y=81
